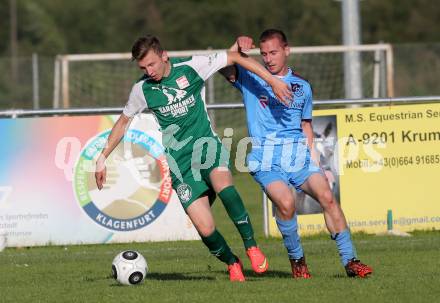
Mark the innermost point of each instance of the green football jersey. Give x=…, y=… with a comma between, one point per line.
x=178, y=102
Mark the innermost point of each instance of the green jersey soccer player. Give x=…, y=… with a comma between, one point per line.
x=173, y=89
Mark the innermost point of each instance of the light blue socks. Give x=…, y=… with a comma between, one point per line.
x=345, y=246
x=292, y=242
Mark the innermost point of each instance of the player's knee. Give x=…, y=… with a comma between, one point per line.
x=206, y=230
x=326, y=199
x=286, y=211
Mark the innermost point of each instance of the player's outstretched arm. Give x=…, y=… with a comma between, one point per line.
x=243, y=44
x=114, y=138
x=281, y=90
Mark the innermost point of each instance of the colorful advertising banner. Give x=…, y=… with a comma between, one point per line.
x=382, y=164
x=48, y=193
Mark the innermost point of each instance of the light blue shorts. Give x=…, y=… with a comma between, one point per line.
x=293, y=170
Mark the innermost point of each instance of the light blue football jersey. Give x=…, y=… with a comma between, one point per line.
x=267, y=118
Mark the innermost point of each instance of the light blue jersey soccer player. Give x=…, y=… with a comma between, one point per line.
x=280, y=157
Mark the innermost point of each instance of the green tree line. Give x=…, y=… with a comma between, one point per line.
x=52, y=27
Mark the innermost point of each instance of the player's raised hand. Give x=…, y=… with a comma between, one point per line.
x=100, y=172
x=282, y=91
x=245, y=43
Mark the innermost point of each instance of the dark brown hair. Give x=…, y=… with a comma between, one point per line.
x=143, y=45
x=273, y=33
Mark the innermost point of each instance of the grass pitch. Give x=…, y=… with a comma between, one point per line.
x=406, y=269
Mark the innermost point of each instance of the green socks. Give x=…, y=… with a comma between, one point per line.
x=238, y=214
x=235, y=208
x=218, y=247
